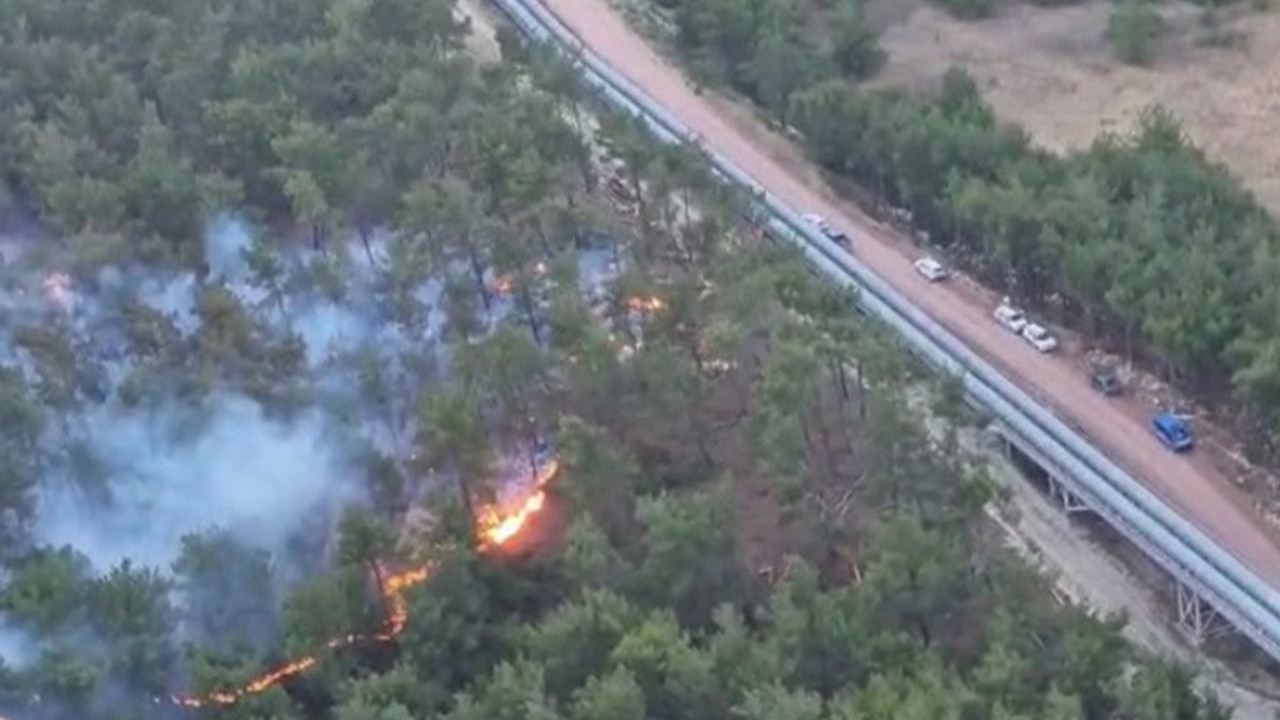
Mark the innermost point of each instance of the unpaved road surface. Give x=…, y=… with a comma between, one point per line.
x=1188, y=484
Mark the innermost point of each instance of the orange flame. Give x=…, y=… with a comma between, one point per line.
x=646, y=304
x=508, y=527
x=496, y=528
x=503, y=284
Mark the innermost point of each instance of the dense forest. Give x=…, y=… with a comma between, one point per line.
x=346, y=377
x=1139, y=242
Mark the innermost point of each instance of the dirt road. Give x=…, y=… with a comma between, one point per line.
x=1193, y=488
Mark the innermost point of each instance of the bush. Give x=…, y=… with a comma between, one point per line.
x=969, y=9
x=1132, y=27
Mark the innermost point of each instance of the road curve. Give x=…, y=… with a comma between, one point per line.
x=1196, y=492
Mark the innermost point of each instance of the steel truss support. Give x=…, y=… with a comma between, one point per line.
x=1070, y=503
x=1196, y=618
x=1058, y=491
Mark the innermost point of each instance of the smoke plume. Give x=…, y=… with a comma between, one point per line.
x=128, y=480
x=236, y=469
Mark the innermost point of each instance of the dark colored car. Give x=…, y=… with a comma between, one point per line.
x=1106, y=380
x=838, y=236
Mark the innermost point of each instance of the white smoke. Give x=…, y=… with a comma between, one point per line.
x=15, y=648
x=141, y=477
x=225, y=245
x=237, y=470
x=148, y=475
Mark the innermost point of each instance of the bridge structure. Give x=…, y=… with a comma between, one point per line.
x=1213, y=588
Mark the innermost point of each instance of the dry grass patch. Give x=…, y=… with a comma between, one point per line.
x=1050, y=71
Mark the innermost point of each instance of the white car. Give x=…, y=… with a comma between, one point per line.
x=1010, y=316
x=1039, y=338
x=931, y=269
x=815, y=220
x=825, y=228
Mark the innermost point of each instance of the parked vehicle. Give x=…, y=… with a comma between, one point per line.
x=825, y=228
x=1105, y=379
x=1010, y=316
x=930, y=269
x=839, y=237
x=1173, y=432
x=1039, y=338
x=815, y=220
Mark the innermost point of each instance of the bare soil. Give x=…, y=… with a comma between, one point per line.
x=1050, y=71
